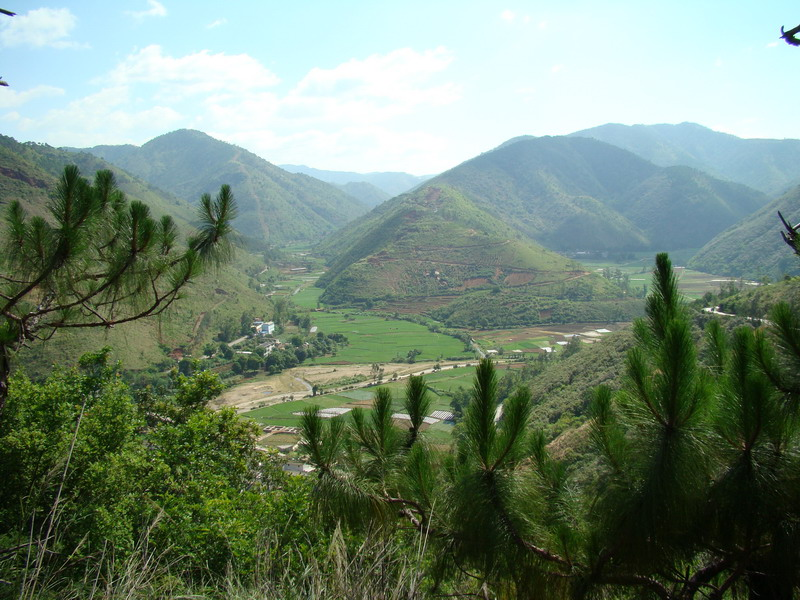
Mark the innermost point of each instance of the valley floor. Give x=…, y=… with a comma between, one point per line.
x=297, y=383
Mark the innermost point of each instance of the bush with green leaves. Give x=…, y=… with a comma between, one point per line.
x=93, y=475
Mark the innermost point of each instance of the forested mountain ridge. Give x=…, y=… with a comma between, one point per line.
x=753, y=248
x=274, y=205
x=438, y=228
x=579, y=194
x=769, y=165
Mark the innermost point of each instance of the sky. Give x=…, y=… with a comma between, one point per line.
x=381, y=85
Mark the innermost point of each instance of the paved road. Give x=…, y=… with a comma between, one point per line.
x=237, y=341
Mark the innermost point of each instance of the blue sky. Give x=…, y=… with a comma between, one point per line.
x=391, y=86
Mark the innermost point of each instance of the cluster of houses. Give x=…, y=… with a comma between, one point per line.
x=264, y=331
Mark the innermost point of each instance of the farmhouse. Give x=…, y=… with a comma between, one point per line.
x=263, y=328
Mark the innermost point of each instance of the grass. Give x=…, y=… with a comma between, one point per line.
x=376, y=339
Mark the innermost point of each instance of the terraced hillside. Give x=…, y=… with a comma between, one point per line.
x=435, y=248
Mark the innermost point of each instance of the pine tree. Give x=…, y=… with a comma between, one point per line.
x=98, y=261
x=697, y=495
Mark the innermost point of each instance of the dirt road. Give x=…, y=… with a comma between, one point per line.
x=298, y=382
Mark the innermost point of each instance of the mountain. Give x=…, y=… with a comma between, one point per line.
x=30, y=171
x=579, y=194
x=434, y=250
x=770, y=166
x=274, y=205
x=753, y=248
x=393, y=183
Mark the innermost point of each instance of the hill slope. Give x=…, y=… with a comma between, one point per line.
x=763, y=164
x=274, y=205
x=29, y=172
x=579, y=194
x=754, y=248
x=434, y=250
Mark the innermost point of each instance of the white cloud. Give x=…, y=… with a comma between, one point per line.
x=370, y=148
x=199, y=73
x=156, y=10
x=38, y=28
x=101, y=118
x=336, y=116
x=217, y=23
x=508, y=15
x=391, y=83
x=11, y=98
x=556, y=68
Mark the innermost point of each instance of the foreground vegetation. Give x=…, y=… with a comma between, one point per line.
x=696, y=495
x=691, y=490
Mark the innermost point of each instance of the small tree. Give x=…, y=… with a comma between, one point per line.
x=98, y=261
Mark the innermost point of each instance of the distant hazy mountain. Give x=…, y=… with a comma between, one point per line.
x=575, y=194
x=274, y=205
x=772, y=166
x=390, y=182
x=365, y=192
x=754, y=248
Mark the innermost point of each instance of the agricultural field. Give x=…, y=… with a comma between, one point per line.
x=375, y=339
x=283, y=414
x=308, y=296
x=693, y=284
x=527, y=338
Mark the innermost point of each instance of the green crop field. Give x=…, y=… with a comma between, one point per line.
x=283, y=413
x=376, y=339
x=511, y=339
x=307, y=297
x=693, y=284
